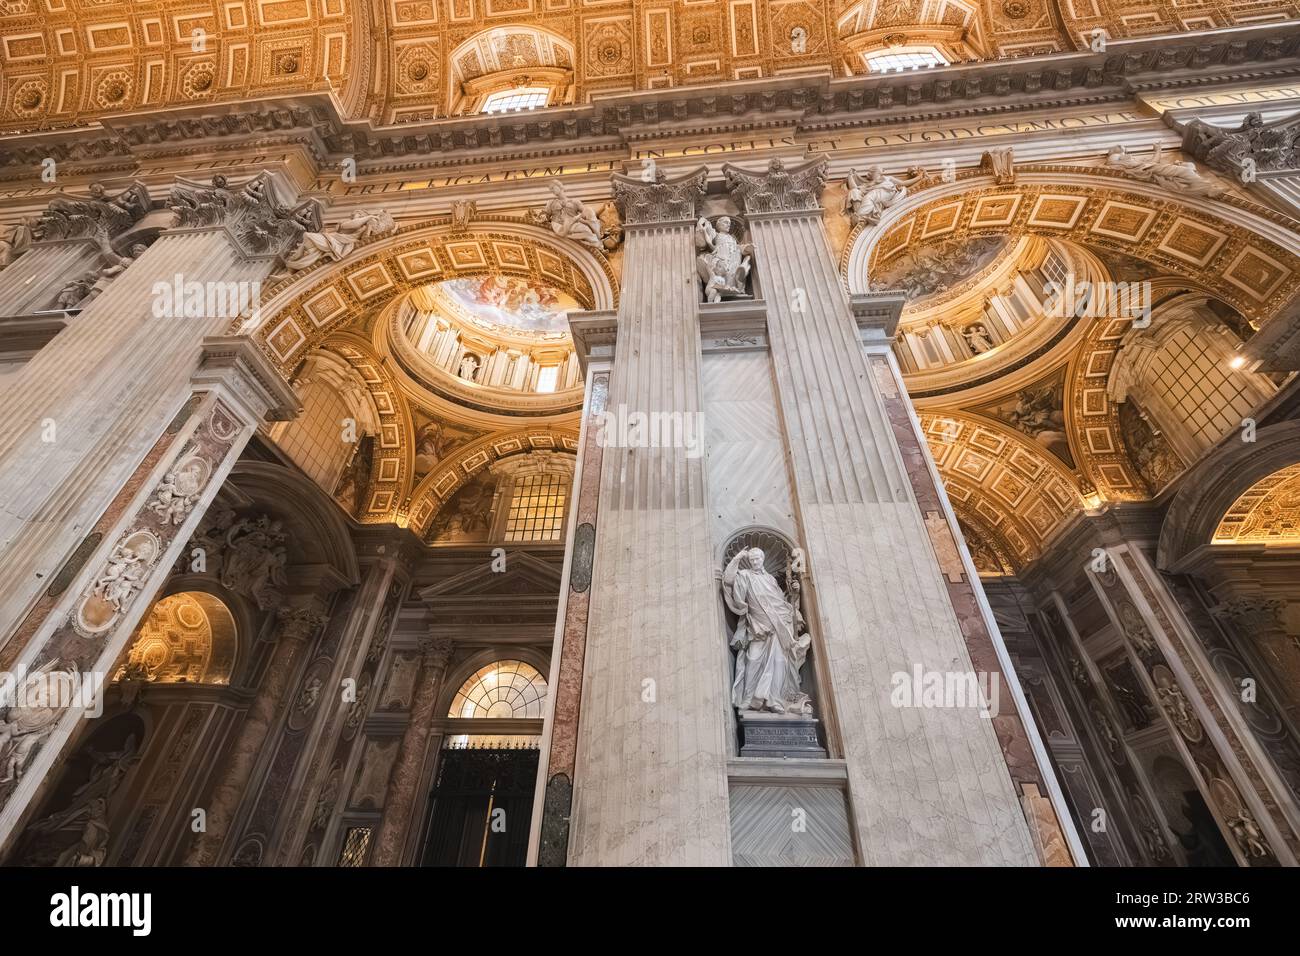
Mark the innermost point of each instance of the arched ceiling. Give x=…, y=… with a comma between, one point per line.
x=73, y=61
x=70, y=61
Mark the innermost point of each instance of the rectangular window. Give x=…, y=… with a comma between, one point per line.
x=523, y=98
x=537, y=508
x=547, y=377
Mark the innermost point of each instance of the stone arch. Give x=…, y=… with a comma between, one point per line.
x=303, y=309
x=187, y=637
x=1241, y=252
x=1000, y=481
x=1210, y=488
x=953, y=27
x=450, y=474
x=1179, y=323
x=392, y=462
x=529, y=50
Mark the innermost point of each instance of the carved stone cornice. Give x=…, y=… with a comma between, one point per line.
x=98, y=216
x=1264, y=147
x=778, y=189
x=660, y=199
x=1252, y=615
x=257, y=215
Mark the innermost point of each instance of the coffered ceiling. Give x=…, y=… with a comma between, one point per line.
x=70, y=61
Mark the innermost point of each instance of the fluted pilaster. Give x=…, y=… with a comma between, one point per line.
x=650, y=784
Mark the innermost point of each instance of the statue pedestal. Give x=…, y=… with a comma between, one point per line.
x=780, y=735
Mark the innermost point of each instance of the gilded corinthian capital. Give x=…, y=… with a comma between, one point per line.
x=98, y=216
x=658, y=198
x=779, y=189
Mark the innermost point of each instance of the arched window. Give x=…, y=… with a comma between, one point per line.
x=501, y=689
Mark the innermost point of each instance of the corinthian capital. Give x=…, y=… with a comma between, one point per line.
x=435, y=651
x=260, y=216
x=299, y=623
x=779, y=189
x=660, y=199
x=1255, y=144
x=97, y=216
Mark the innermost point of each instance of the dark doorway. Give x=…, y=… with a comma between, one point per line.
x=481, y=807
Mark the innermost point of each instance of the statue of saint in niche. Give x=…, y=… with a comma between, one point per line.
x=770, y=650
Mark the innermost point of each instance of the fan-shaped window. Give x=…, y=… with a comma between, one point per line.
x=501, y=689
x=520, y=98
x=897, y=60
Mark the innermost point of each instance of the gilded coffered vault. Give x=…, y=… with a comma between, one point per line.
x=73, y=61
x=615, y=398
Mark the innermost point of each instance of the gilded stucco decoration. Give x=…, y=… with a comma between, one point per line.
x=71, y=61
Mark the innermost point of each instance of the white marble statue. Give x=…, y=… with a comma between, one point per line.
x=977, y=337
x=337, y=245
x=570, y=218
x=723, y=261
x=14, y=242
x=468, y=368
x=1176, y=177
x=769, y=648
x=870, y=196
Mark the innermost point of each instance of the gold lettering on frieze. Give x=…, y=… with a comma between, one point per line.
x=1269, y=94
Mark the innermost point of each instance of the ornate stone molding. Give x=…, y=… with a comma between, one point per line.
x=435, y=651
x=98, y=217
x=257, y=216
x=299, y=623
x=1253, y=615
x=779, y=189
x=660, y=199
x=1259, y=146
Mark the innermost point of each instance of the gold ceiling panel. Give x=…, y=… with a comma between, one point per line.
x=73, y=60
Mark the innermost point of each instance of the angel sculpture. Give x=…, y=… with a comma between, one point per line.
x=1176, y=177
x=35, y=708
x=870, y=196
x=338, y=245
x=770, y=648
x=723, y=262
x=570, y=218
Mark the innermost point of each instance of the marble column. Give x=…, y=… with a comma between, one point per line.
x=83, y=414
x=295, y=627
x=927, y=785
x=1250, y=803
x=82, y=622
x=405, y=786
x=650, y=780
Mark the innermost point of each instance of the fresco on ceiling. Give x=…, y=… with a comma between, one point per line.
x=510, y=302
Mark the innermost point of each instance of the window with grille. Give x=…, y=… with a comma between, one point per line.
x=537, y=508
x=1206, y=398
x=355, y=844
x=315, y=440
x=904, y=60
x=1054, y=269
x=522, y=98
